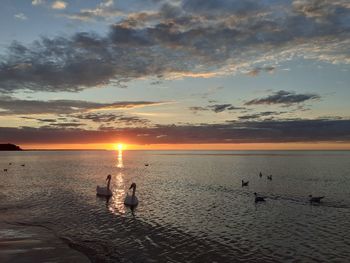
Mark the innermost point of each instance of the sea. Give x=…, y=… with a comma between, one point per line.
x=192, y=206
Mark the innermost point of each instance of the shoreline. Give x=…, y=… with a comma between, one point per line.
x=25, y=243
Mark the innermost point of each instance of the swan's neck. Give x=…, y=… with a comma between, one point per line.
x=108, y=183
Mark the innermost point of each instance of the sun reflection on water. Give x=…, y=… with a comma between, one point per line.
x=116, y=205
x=120, y=159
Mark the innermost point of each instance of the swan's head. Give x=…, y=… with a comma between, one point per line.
x=133, y=185
x=108, y=177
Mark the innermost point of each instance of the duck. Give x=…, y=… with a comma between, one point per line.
x=104, y=191
x=259, y=198
x=146, y=164
x=10, y=163
x=315, y=199
x=131, y=200
x=245, y=183
x=23, y=165
x=269, y=177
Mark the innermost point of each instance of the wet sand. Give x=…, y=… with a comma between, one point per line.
x=24, y=244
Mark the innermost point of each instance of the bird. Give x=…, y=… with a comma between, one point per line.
x=131, y=200
x=146, y=164
x=5, y=170
x=245, y=183
x=315, y=199
x=10, y=163
x=269, y=177
x=260, y=174
x=23, y=165
x=259, y=198
x=104, y=191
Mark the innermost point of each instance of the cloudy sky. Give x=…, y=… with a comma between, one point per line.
x=223, y=74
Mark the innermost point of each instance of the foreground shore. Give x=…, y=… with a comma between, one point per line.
x=24, y=244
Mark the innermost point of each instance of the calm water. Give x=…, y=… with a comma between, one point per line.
x=192, y=206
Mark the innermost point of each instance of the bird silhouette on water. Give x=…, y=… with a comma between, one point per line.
x=245, y=183
x=315, y=199
x=259, y=198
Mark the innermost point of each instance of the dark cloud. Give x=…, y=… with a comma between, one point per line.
x=216, y=108
x=67, y=125
x=255, y=71
x=196, y=109
x=222, y=107
x=259, y=115
x=113, y=118
x=13, y=106
x=192, y=38
x=39, y=119
x=221, y=7
x=284, y=97
x=297, y=130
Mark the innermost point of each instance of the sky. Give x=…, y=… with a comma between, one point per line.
x=179, y=74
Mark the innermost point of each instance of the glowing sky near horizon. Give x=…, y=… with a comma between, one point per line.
x=157, y=72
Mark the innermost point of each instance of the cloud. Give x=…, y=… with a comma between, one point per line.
x=59, y=5
x=216, y=108
x=20, y=16
x=271, y=131
x=38, y=2
x=13, y=106
x=188, y=39
x=102, y=11
x=285, y=98
x=113, y=118
x=196, y=109
x=67, y=125
x=255, y=71
x=222, y=107
x=259, y=115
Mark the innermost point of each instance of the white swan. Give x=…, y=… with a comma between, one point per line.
x=104, y=191
x=131, y=200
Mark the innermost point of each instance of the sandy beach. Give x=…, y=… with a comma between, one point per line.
x=22, y=244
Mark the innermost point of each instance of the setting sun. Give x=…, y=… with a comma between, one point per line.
x=119, y=146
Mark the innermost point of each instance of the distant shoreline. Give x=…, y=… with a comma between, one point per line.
x=9, y=147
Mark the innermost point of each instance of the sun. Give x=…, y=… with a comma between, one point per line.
x=119, y=146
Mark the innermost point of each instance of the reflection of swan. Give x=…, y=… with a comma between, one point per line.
x=131, y=200
x=259, y=198
x=104, y=191
x=315, y=199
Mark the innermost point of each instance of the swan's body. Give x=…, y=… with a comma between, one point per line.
x=131, y=200
x=104, y=191
x=315, y=199
x=259, y=198
x=245, y=183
